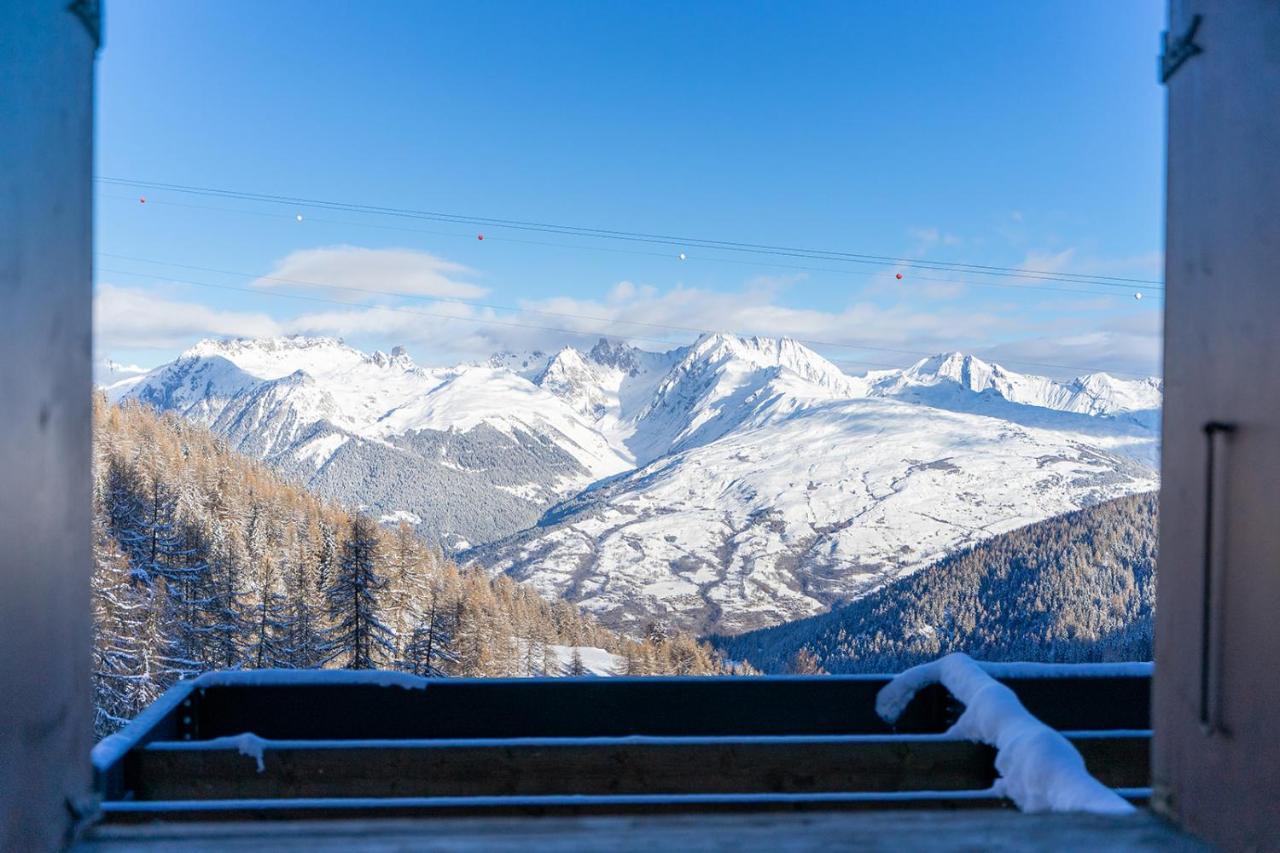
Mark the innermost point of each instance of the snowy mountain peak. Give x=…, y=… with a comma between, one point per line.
x=723, y=383
x=1100, y=393
x=968, y=371
x=616, y=354
x=398, y=357
x=956, y=380
x=272, y=358
x=283, y=346
x=580, y=383
x=527, y=364
x=568, y=358
x=720, y=349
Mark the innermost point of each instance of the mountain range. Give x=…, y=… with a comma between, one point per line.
x=727, y=485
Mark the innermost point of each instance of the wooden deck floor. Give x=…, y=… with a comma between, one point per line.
x=995, y=830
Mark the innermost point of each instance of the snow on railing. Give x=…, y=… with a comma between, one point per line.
x=112, y=748
x=1039, y=768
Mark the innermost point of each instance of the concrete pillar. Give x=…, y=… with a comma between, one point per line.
x=46, y=151
x=1216, y=695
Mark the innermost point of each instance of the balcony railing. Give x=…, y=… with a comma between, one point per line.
x=303, y=744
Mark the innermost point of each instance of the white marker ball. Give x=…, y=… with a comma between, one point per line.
x=1137, y=296
x=682, y=256
x=299, y=217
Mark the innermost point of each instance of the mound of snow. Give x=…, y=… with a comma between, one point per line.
x=1039, y=768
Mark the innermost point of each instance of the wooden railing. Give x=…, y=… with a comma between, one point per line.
x=595, y=744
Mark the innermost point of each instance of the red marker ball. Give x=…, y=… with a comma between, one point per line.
x=479, y=236
x=899, y=276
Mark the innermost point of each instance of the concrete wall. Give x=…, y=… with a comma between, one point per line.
x=46, y=134
x=1222, y=363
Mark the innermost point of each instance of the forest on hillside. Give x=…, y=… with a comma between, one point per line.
x=207, y=560
x=1078, y=587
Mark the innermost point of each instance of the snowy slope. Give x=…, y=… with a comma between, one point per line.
x=726, y=485
x=779, y=521
x=595, y=661
x=770, y=485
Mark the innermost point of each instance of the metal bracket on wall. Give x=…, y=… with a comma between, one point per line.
x=90, y=14
x=1179, y=50
x=1212, y=589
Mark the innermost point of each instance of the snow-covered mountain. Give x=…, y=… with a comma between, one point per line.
x=953, y=378
x=770, y=485
x=726, y=485
x=474, y=452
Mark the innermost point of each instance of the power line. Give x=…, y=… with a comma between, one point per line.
x=852, y=347
x=643, y=252
x=452, y=299
x=689, y=242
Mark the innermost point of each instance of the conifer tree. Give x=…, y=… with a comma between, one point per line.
x=304, y=642
x=430, y=651
x=360, y=640
x=326, y=558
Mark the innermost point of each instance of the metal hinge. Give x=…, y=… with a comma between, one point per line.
x=1179, y=50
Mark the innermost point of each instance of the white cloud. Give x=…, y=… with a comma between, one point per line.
x=1144, y=265
x=445, y=331
x=1050, y=262
x=654, y=319
x=927, y=236
x=889, y=325
x=1129, y=346
x=1147, y=265
x=134, y=318
x=928, y=239
x=1069, y=304
x=354, y=274
x=944, y=289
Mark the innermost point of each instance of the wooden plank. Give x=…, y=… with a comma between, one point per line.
x=989, y=830
x=1086, y=703
x=508, y=708
x=288, y=809
x=500, y=708
x=174, y=771
x=1116, y=760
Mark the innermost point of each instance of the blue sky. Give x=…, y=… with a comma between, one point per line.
x=1018, y=134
